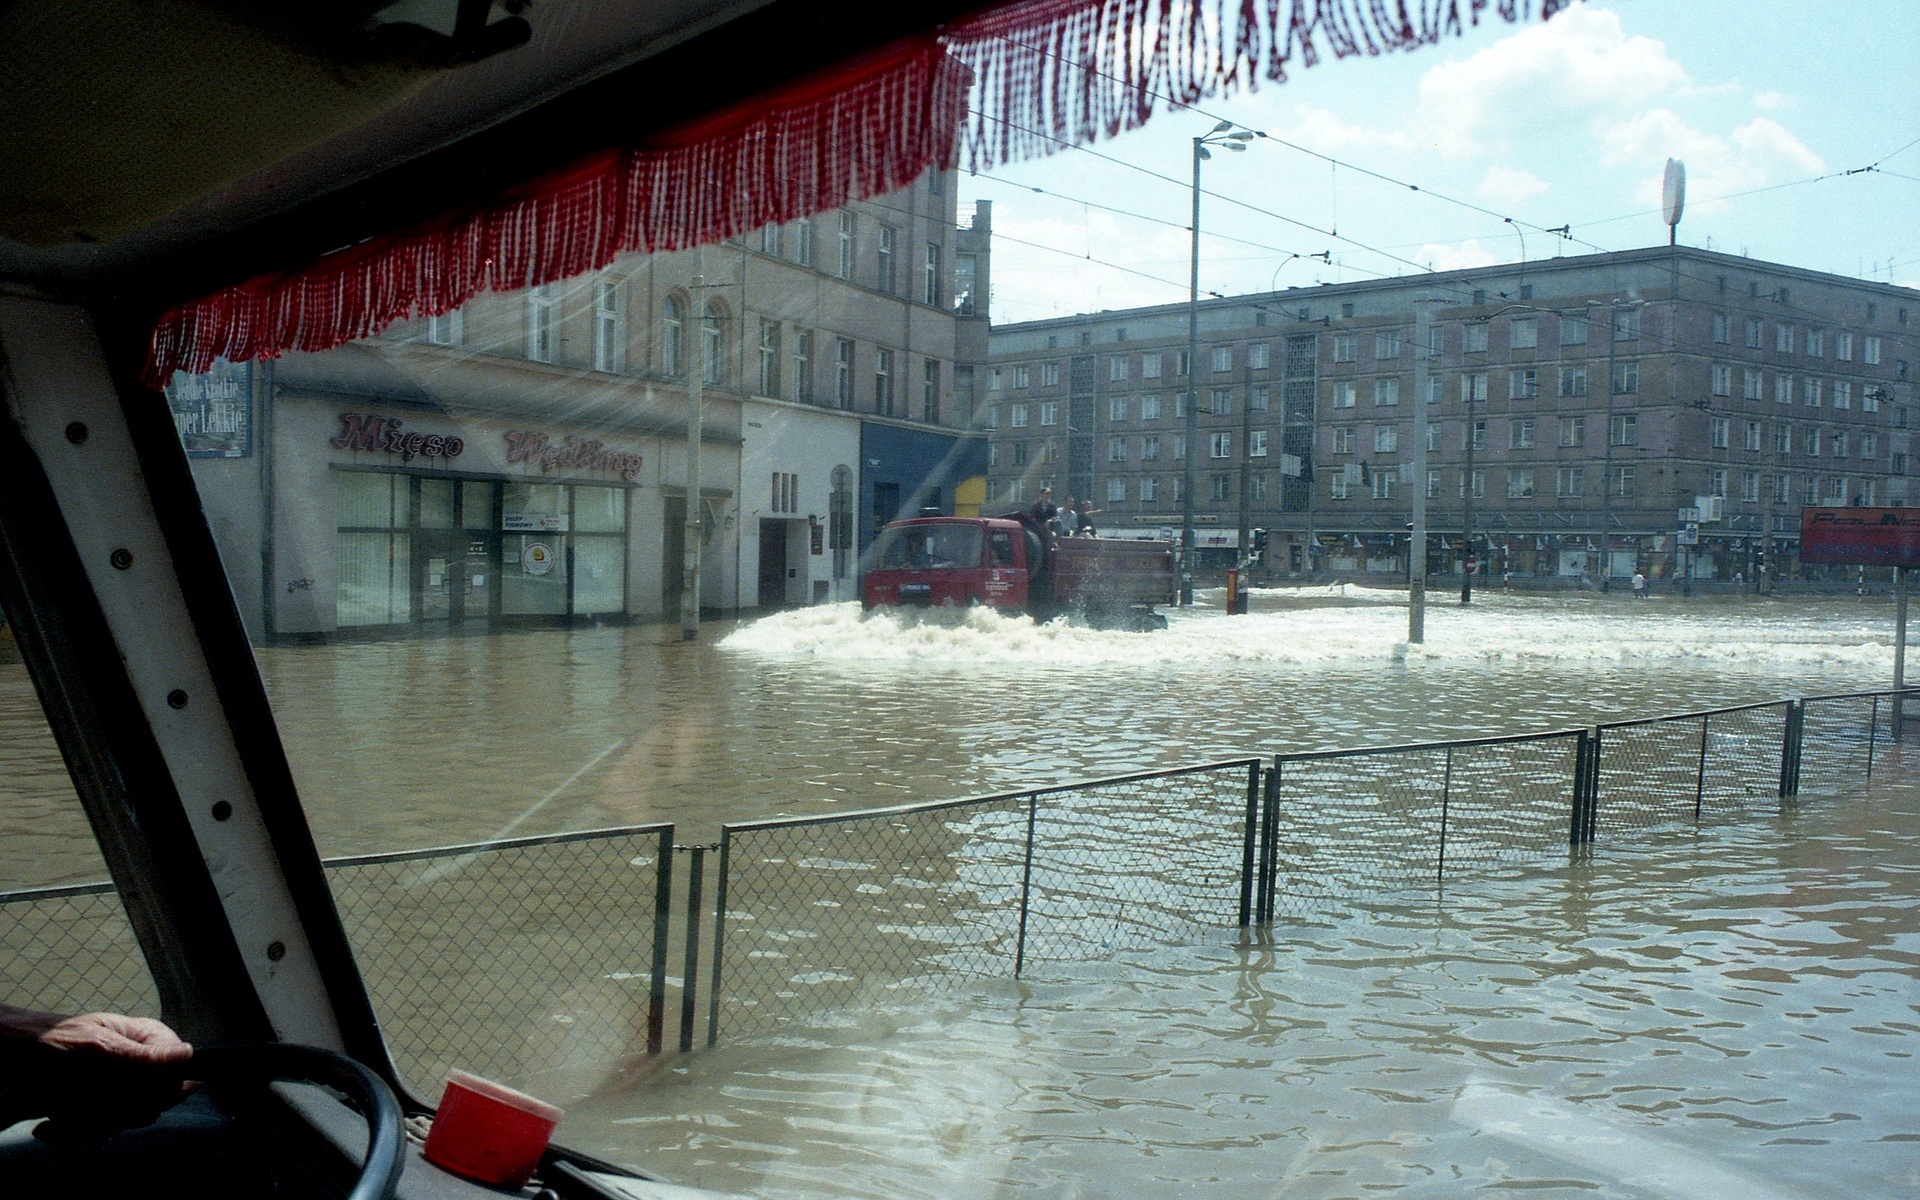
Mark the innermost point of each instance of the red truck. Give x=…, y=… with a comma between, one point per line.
x=1015, y=563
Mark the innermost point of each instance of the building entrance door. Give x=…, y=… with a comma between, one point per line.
x=437, y=560
x=773, y=564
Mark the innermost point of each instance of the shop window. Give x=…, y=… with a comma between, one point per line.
x=599, y=550
x=533, y=549
x=375, y=550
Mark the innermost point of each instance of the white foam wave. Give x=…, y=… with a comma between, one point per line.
x=1512, y=630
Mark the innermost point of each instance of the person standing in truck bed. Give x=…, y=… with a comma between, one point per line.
x=1083, y=520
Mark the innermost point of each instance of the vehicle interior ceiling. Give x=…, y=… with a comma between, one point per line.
x=158, y=150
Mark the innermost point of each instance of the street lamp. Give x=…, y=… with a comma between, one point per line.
x=1222, y=134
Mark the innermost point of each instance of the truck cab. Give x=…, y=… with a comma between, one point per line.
x=931, y=561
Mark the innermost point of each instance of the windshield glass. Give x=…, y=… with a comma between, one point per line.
x=929, y=547
x=629, y=800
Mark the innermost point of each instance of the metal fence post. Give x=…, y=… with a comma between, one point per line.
x=662, y=918
x=1790, y=750
x=690, y=971
x=719, y=935
x=1446, y=794
x=1026, y=888
x=1582, y=763
x=1700, y=778
x=1269, y=847
x=1247, y=843
x=1593, y=783
x=1873, y=730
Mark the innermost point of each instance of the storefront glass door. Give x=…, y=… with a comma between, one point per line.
x=534, y=555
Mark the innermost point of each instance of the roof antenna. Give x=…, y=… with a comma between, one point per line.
x=1333, y=172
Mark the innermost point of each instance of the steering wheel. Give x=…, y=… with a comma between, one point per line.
x=268, y=1062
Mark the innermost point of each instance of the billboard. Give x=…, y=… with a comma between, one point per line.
x=214, y=412
x=1874, y=537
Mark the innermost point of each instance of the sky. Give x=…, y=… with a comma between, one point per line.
x=1566, y=122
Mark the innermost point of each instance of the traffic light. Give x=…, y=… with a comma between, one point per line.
x=1259, y=546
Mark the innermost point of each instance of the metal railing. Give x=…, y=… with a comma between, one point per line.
x=814, y=914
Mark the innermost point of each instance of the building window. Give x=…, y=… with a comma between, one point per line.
x=1843, y=346
x=1783, y=339
x=1573, y=432
x=1433, y=485
x=1722, y=380
x=1222, y=402
x=1810, y=441
x=1019, y=454
x=1523, y=384
x=770, y=239
x=1116, y=450
x=1150, y=448
x=1181, y=364
x=1477, y=337
x=1179, y=445
x=1626, y=324
x=542, y=306
x=1473, y=387
x=803, y=241
x=1626, y=378
x=803, y=366
x=769, y=358
x=1816, y=343
x=1050, y=453
x=1814, y=388
x=1257, y=397
x=1117, y=369
x=1050, y=412
x=1479, y=484
x=1222, y=358
x=1149, y=489
x=884, y=258
x=1779, y=487
x=1622, y=481
x=786, y=492
x=1022, y=377
x=1519, y=483
x=1573, y=331
x=844, y=247
x=1386, y=392
x=1344, y=347
x=1752, y=441
x=1383, y=483
x=883, y=382
x=930, y=391
x=1050, y=374
x=447, y=328
x=1755, y=341
x=1842, y=393
x=1386, y=346
x=1870, y=351
x=1783, y=438
x=1520, y=435
x=1623, y=429
x=1840, y=445
x=1221, y=487
x=1149, y=366
x=713, y=344
x=1257, y=443
x=1869, y=399
x=1436, y=388
x=673, y=338
x=1259, y=355
x=1749, y=487
x=843, y=375
x=1149, y=408
x=1342, y=439
x=1717, y=432
x=1477, y=430
x=1716, y=482
x=1570, y=481
x=1783, y=389
x=1339, y=486
x=931, y=281
x=1116, y=491
x=1722, y=329
x=1836, y=489
x=1573, y=379
x=609, y=327
x=1524, y=334
x=1869, y=445
x=1222, y=445
x=1753, y=385
x=1386, y=439
x=1345, y=393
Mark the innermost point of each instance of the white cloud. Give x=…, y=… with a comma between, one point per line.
x=1329, y=133
x=1511, y=185
x=1756, y=154
x=1774, y=101
x=1456, y=256
x=1578, y=65
x=1046, y=282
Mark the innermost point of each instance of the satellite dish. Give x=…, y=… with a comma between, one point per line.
x=1673, y=196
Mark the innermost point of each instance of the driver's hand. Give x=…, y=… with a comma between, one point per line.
x=112, y=1035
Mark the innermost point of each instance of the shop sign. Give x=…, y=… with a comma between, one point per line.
x=537, y=558
x=214, y=412
x=368, y=432
x=1874, y=537
x=532, y=523
x=570, y=454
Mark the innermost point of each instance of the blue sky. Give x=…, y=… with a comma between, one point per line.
x=1566, y=122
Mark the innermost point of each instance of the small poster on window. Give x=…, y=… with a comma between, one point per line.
x=214, y=412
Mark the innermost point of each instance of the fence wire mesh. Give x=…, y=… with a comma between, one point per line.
x=1835, y=738
x=1355, y=824
x=827, y=914
x=532, y=962
x=70, y=950
x=1650, y=774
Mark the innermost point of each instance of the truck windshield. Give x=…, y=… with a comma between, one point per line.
x=930, y=547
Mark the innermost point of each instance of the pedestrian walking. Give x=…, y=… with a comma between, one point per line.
x=1639, y=586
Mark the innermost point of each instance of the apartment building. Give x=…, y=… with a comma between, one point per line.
x=1580, y=403
x=524, y=459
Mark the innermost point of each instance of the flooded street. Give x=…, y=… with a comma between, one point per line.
x=1728, y=1011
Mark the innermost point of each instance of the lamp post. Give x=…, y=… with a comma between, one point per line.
x=1234, y=140
x=690, y=533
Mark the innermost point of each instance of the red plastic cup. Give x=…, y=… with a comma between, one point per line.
x=488, y=1132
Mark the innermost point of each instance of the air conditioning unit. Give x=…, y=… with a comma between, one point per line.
x=1712, y=508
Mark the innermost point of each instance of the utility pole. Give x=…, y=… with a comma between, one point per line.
x=1233, y=141
x=1466, y=488
x=1246, y=472
x=1606, y=469
x=690, y=551
x=1417, y=553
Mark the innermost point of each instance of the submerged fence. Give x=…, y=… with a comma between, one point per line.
x=526, y=958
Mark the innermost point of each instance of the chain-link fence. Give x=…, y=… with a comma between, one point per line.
x=70, y=950
x=826, y=913
x=532, y=961
x=1680, y=768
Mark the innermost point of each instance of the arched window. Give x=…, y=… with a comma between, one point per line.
x=713, y=341
x=673, y=338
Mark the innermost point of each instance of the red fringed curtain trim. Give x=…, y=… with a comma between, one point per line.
x=1016, y=81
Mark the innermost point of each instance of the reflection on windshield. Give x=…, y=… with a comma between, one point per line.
x=930, y=547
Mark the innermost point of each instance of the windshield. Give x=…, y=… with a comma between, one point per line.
x=629, y=801
x=928, y=547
